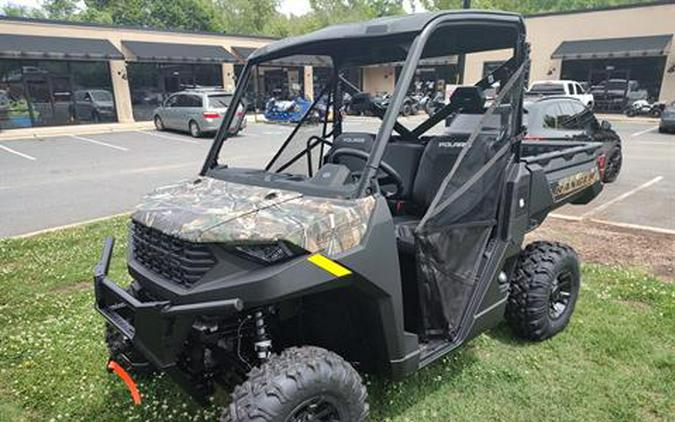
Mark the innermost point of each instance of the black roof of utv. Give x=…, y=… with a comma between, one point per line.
x=352, y=42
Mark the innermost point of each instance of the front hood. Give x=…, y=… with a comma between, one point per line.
x=210, y=210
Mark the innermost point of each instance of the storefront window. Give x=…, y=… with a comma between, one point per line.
x=152, y=83
x=54, y=93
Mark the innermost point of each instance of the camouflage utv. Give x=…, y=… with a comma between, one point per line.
x=347, y=250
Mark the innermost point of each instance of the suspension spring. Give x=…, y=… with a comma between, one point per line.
x=263, y=343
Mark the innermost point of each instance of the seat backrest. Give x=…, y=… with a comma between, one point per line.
x=440, y=154
x=402, y=156
x=361, y=141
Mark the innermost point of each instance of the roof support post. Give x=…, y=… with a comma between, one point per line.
x=121, y=92
x=390, y=116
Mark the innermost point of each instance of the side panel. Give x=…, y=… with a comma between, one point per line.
x=377, y=262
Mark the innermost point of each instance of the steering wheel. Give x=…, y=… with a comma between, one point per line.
x=391, y=176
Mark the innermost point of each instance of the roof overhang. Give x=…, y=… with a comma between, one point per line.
x=57, y=48
x=388, y=39
x=654, y=45
x=243, y=52
x=143, y=51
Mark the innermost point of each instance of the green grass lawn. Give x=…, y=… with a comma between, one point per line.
x=616, y=360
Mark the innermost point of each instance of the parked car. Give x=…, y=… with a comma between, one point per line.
x=667, y=123
x=197, y=112
x=563, y=118
x=571, y=89
x=94, y=105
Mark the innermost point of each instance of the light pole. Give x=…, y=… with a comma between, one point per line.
x=466, y=4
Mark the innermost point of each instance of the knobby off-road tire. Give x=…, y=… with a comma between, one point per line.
x=298, y=384
x=543, y=290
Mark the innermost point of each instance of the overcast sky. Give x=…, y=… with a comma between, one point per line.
x=295, y=7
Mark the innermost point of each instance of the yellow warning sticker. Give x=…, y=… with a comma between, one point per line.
x=329, y=265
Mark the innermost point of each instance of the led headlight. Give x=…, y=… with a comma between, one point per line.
x=269, y=252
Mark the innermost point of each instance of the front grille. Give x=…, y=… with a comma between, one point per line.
x=177, y=260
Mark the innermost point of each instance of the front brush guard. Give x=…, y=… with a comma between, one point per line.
x=157, y=329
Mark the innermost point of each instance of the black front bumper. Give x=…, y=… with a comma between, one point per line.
x=157, y=329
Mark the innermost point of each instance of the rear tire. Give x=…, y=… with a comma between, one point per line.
x=297, y=385
x=195, y=131
x=544, y=290
x=613, y=166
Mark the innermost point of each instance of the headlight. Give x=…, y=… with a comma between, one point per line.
x=269, y=253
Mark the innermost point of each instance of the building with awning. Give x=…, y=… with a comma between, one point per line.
x=157, y=69
x=621, y=53
x=75, y=73
x=63, y=73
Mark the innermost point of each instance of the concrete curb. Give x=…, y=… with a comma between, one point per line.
x=626, y=119
x=46, y=132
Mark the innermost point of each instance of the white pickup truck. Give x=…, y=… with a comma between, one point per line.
x=562, y=88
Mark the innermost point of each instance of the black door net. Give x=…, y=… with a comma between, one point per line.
x=453, y=235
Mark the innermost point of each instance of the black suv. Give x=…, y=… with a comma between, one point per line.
x=564, y=118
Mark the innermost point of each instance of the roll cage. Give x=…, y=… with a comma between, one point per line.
x=388, y=40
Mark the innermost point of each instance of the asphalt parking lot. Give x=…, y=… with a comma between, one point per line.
x=57, y=181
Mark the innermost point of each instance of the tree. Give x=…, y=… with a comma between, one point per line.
x=60, y=9
x=16, y=10
x=248, y=16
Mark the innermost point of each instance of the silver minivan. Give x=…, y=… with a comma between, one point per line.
x=197, y=112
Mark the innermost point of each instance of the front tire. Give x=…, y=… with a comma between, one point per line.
x=544, y=290
x=305, y=383
x=159, y=124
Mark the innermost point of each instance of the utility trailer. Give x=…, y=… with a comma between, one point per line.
x=349, y=251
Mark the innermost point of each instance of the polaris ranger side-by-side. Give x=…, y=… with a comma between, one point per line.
x=348, y=249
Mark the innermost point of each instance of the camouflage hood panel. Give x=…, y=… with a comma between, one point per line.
x=211, y=210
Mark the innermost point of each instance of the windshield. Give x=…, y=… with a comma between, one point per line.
x=330, y=130
x=102, y=96
x=220, y=100
x=547, y=89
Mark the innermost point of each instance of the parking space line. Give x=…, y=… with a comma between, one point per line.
x=159, y=135
x=103, y=144
x=20, y=154
x=613, y=223
x=622, y=197
x=565, y=217
x=642, y=132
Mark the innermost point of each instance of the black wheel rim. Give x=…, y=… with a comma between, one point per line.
x=561, y=292
x=319, y=409
x=614, y=164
